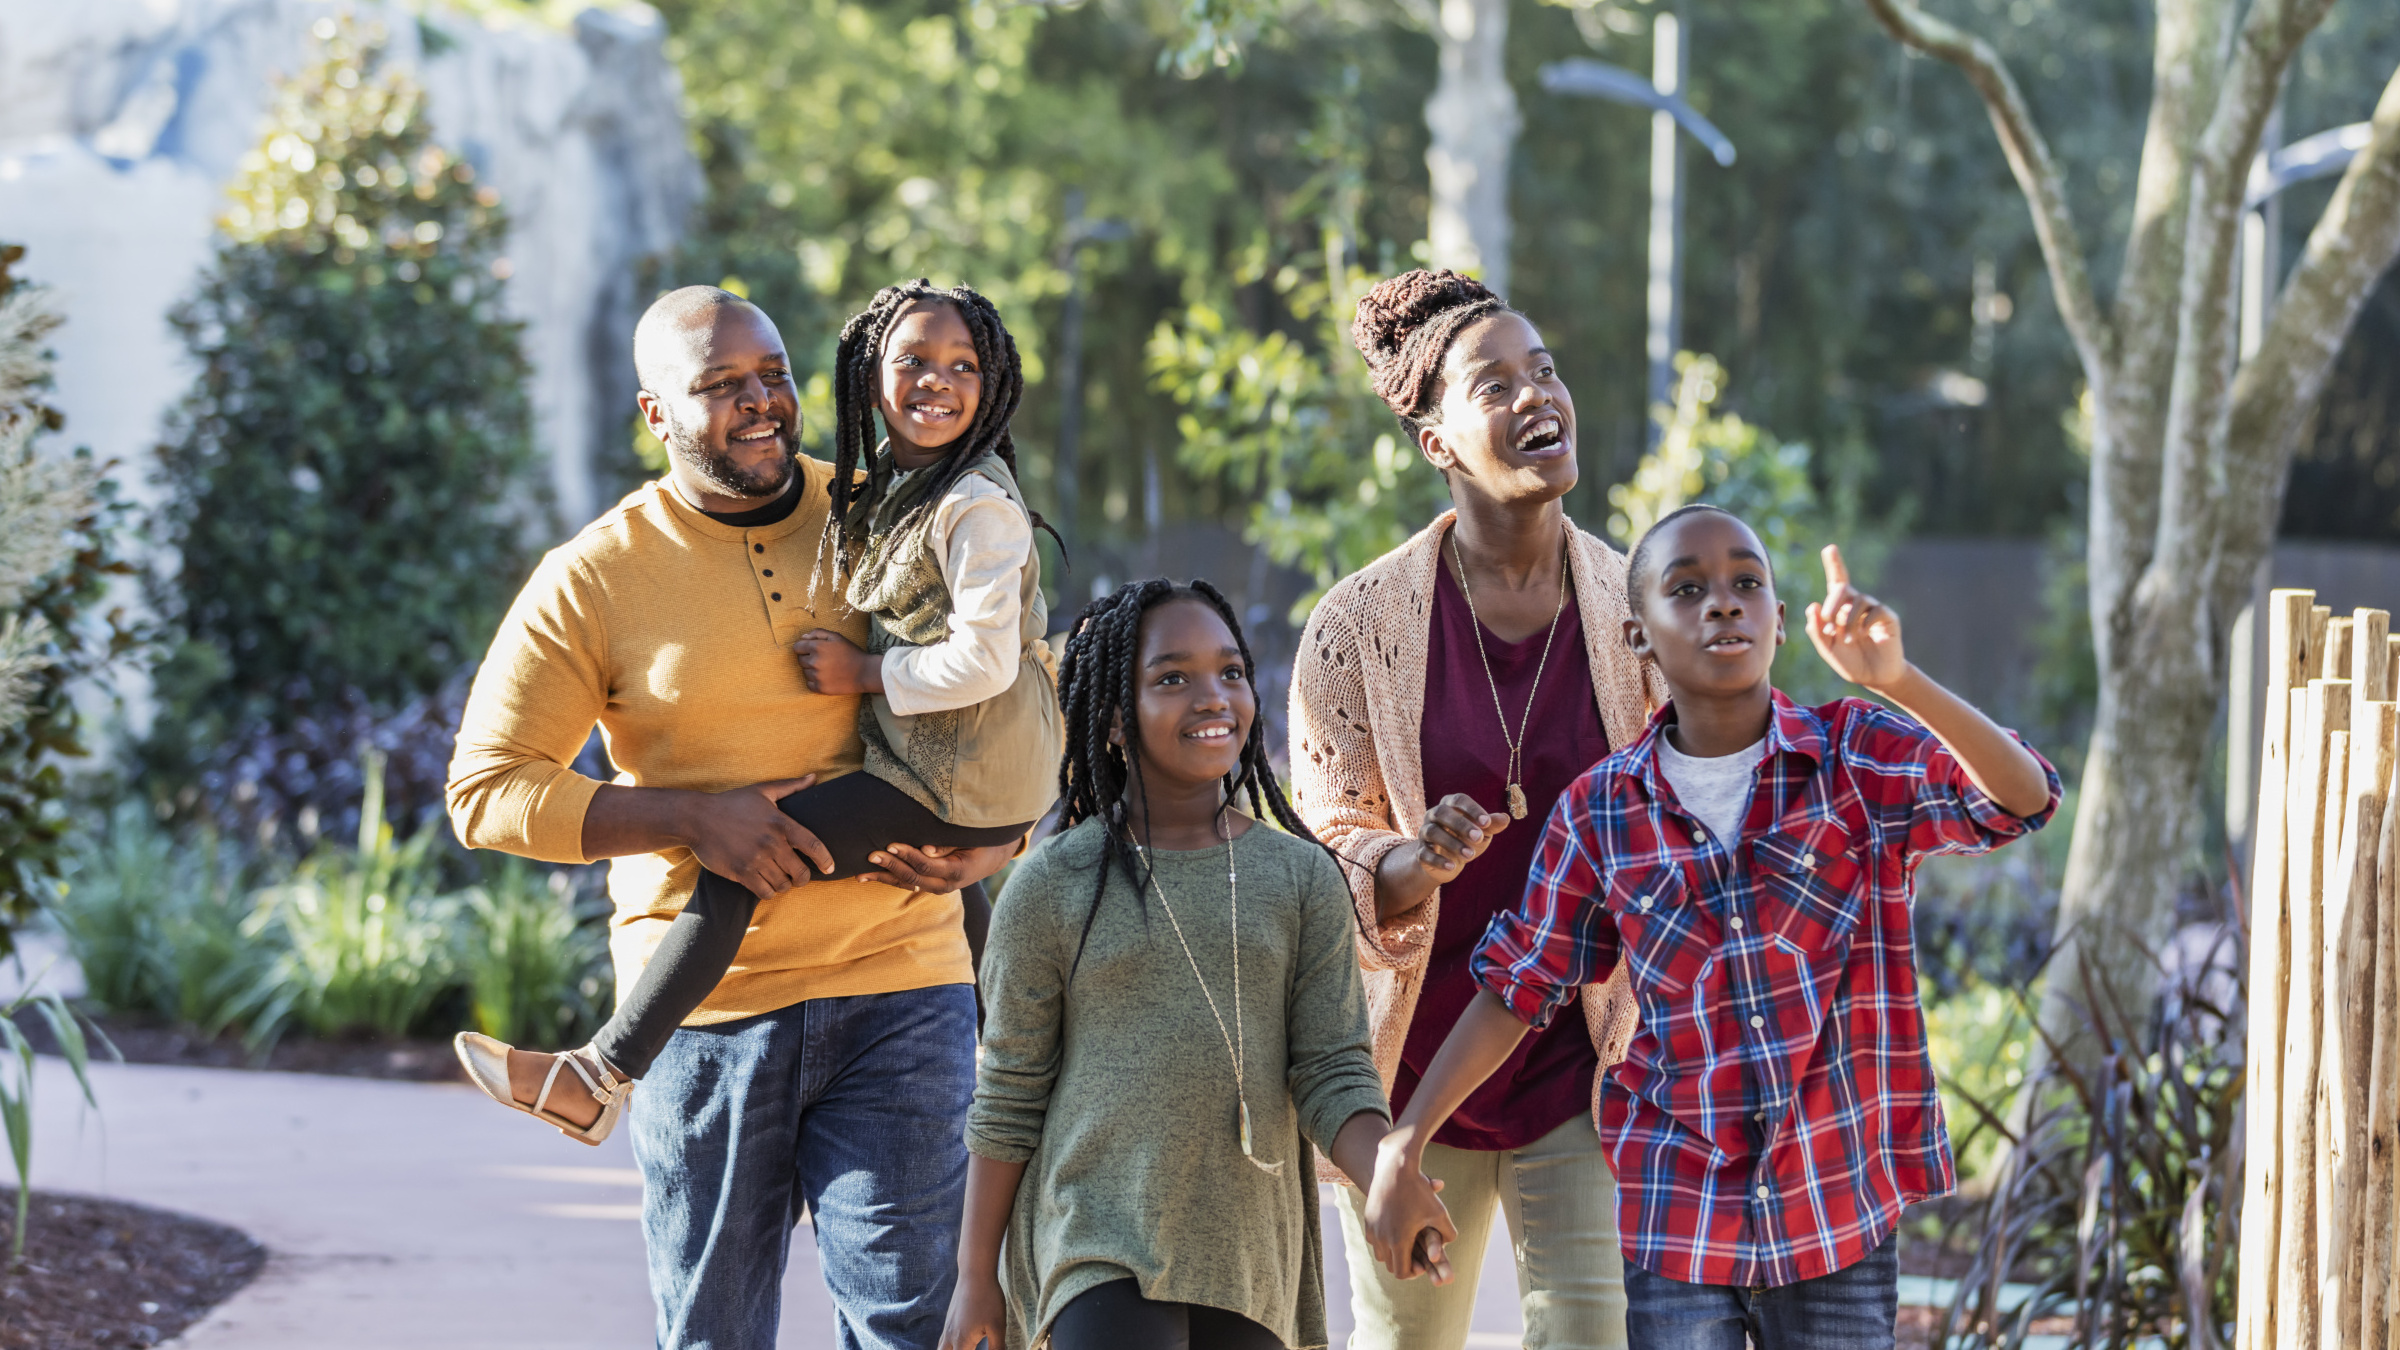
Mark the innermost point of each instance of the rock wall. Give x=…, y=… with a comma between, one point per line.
x=122, y=120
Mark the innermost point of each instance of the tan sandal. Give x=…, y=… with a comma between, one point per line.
x=486, y=1061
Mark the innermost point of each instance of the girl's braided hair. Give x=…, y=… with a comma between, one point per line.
x=858, y=399
x=1404, y=328
x=1098, y=690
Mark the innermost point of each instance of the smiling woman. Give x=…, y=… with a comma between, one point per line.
x=1499, y=618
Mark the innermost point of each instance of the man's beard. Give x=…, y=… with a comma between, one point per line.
x=718, y=469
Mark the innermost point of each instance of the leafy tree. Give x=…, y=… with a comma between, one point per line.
x=59, y=525
x=348, y=486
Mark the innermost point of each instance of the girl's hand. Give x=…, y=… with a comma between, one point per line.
x=1456, y=832
x=1406, y=1223
x=978, y=1313
x=832, y=664
x=1853, y=631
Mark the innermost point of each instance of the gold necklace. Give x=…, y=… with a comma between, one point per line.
x=1516, y=746
x=1236, y=1044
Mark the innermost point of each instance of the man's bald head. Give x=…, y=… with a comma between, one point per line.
x=675, y=330
x=717, y=392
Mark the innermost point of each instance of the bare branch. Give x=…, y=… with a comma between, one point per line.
x=2191, y=495
x=2354, y=243
x=2029, y=159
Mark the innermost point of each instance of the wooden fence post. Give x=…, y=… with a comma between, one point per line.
x=2349, y=966
x=2319, y=711
x=2382, y=1107
x=2287, y=627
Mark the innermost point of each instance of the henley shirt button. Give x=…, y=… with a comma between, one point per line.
x=766, y=571
x=1757, y=1021
x=777, y=595
x=758, y=548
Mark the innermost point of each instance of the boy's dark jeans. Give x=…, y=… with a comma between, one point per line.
x=1851, y=1309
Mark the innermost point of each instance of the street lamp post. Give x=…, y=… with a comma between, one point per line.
x=1662, y=93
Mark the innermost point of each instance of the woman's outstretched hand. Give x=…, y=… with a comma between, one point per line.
x=1854, y=632
x=1454, y=833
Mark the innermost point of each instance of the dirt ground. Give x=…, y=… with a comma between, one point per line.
x=101, y=1274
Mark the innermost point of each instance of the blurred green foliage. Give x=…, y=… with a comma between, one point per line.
x=374, y=937
x=62, y=534
x=348, y=480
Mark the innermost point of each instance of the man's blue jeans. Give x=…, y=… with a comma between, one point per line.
x=853, y=1109
x=1851, y=1309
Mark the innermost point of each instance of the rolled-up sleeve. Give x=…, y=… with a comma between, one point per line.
x=538, y=694
x=1926, y=803
x=1538, y=956
x=1330, y=1066
x=1024, y=989
x=985, y=542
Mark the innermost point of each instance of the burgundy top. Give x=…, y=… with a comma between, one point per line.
x=1548, y=1080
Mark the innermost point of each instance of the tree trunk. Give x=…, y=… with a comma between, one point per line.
x=2189, y=459
x=1473, y=118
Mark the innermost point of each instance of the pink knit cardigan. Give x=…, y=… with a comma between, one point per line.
x=1357, y=770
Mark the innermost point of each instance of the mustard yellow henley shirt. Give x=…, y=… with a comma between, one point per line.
x=673, y=633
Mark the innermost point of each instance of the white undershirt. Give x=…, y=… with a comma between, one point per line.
x=1717, y=791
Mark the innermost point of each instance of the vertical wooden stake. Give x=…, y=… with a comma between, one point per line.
x=2349, y=965
x=2382, y=1107
x=2286, y=620
x=2337, y=648
x=2319, y=618
x=2318, y=711
x=2392, y=667
x=2370, y=656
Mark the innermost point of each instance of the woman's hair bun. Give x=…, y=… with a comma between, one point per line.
x=1431, y=305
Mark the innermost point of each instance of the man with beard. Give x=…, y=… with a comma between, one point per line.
x=831, y=1069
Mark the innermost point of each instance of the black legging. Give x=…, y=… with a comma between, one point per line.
x=854, y=815
x=1115, y=1316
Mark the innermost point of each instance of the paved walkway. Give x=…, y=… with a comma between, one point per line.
x=408, y=1216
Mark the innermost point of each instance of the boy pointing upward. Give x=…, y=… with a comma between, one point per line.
x=1754, y=861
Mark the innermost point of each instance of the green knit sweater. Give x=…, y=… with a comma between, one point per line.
x=1115, y=1089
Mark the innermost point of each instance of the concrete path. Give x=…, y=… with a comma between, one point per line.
x=408, y=1216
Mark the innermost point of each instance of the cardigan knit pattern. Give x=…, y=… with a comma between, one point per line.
x=1357, y=764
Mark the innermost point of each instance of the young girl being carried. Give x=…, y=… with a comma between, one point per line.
x=935, y=545
x=1148, y=1161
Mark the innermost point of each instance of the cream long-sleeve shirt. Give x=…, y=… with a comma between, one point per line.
x=983, y=542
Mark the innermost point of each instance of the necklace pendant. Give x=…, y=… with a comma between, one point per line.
x=1516, y=802
x=1245, y=1114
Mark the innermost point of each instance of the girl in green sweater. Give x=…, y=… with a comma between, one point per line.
x=1174, y=1020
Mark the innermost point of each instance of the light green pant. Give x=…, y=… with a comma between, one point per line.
x=1560, y=1200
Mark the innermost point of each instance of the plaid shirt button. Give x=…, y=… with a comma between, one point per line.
x=1763, y=1192
x=1757, y=1021
x=1737, y=924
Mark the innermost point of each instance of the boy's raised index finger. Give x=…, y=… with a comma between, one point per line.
x=1837, y=572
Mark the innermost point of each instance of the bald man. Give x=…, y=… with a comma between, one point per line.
x=831, y=1069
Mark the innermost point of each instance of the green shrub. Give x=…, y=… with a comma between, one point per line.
x=363, y=936
x=157, y=925
x=348, y=483
x=68, y=1032
x=537, y=974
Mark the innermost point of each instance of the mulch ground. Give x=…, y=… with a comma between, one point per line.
x=101, y=1274
x=143, y=1042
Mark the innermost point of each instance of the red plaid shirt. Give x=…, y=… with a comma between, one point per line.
x=1777, y=1107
